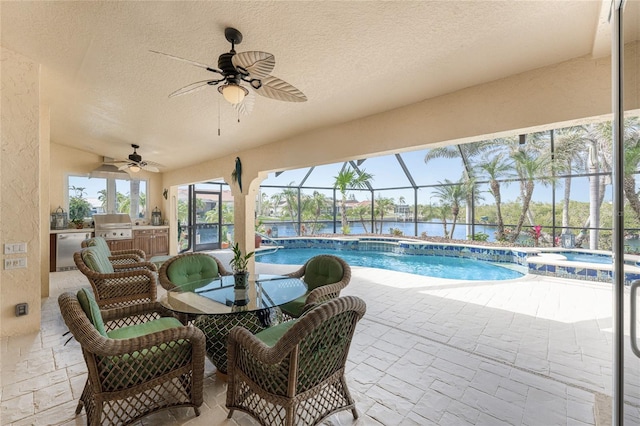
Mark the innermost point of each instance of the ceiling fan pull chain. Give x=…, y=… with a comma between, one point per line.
x=218, y=115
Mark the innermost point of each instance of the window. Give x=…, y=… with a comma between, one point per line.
x=88, y=196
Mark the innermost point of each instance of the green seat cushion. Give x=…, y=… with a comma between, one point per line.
x=101, y=244
x=96, y=260
x=145, y=328
x=295, y=307
x=192, y=268
x=322, y=271
x=90, y=307
x=271, y=335
x=130, y=369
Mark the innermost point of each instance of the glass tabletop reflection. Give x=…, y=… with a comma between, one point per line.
x=218, y=296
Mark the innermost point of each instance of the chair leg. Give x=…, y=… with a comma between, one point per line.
x=230, y=413
x=197, y=410
x=79, y=407
x=355, y=413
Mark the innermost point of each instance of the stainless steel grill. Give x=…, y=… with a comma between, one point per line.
x=113, y=226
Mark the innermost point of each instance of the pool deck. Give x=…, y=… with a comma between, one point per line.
x=530, y=351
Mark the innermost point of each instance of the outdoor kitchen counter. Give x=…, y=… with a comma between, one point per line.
x=134, y=227
x=144, y=227
x=69, y=230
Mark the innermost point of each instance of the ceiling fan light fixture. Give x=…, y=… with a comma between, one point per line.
x=233, y=93
x=134, y=168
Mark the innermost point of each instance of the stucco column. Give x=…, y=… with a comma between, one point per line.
x=244, y=209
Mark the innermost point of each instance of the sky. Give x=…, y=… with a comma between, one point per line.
x=387, y=173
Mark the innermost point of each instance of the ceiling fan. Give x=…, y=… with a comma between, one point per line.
x=239, y=71
x=134, y=163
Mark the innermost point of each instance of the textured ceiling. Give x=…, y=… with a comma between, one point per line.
x=351, y=59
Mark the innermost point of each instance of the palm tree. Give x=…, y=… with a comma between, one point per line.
x=102, y=197
x=468, y=153
x=529, y=169
x=349, y=179
x=290, y=194
x=381, y=206
x=598, y=137
x=631, y=162
x=275, y=200
x=569, y=153
x=363, y=212
x=495, y=167
x=453, y=196
x=318, y=204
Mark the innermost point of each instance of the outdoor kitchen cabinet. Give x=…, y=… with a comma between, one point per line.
x=115, y=245
x=154, y=242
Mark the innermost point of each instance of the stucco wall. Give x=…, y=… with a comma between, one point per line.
x=19, y=189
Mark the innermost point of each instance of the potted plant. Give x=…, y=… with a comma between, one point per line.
x=79, y=208
x=239, y=266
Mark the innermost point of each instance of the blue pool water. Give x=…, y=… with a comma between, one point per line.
x=431, y=266
x=586, y=257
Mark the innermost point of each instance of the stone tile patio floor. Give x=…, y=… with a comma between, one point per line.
x=533, y=351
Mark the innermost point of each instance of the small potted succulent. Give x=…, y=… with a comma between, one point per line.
x=239, y=266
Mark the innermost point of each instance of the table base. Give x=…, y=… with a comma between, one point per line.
x=216, y=329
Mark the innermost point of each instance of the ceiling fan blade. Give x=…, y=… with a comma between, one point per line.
x=123, y=167
x=275, y=88
x=146, y=166
x=193, y=87
x=258, y=64
x=246, y=106
x=189, y=61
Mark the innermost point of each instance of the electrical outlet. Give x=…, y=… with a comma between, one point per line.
x=15, y=263
x=22, y=309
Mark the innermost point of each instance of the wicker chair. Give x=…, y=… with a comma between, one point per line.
x=116, y=257
x=326, y=276
x=117, y=285
x=146, y=361
x=189, y=267
x=293, y=373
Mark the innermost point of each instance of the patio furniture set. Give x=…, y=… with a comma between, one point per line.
x=281, y=343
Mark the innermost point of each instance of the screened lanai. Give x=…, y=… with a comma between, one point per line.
x=551, y=188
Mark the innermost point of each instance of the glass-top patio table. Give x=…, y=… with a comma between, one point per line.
x=215, y=307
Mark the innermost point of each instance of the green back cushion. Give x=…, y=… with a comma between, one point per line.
x=271, y=335
x=90, y=307
x=144, y=328
x=322, y=271
x=100, y=243
x=192, y=268
x=96, y=260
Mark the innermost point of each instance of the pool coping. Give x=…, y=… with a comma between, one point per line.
x=534, y=260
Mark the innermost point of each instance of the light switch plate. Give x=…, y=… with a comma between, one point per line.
x=15, y=248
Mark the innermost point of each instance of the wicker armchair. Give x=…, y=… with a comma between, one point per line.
x=146, y=362
x=116, y=257
x=325, y=275
x=117, y=285
x=293, y=373
x=189, y=267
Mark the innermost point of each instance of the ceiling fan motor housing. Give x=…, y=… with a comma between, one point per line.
x=230, y=72
x=135, y=157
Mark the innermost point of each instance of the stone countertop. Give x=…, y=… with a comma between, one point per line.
x=144, y=227
x=75, y=230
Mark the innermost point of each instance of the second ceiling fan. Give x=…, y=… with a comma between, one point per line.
x=239, y=72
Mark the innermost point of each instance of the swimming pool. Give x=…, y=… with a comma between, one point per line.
x=431, y=266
